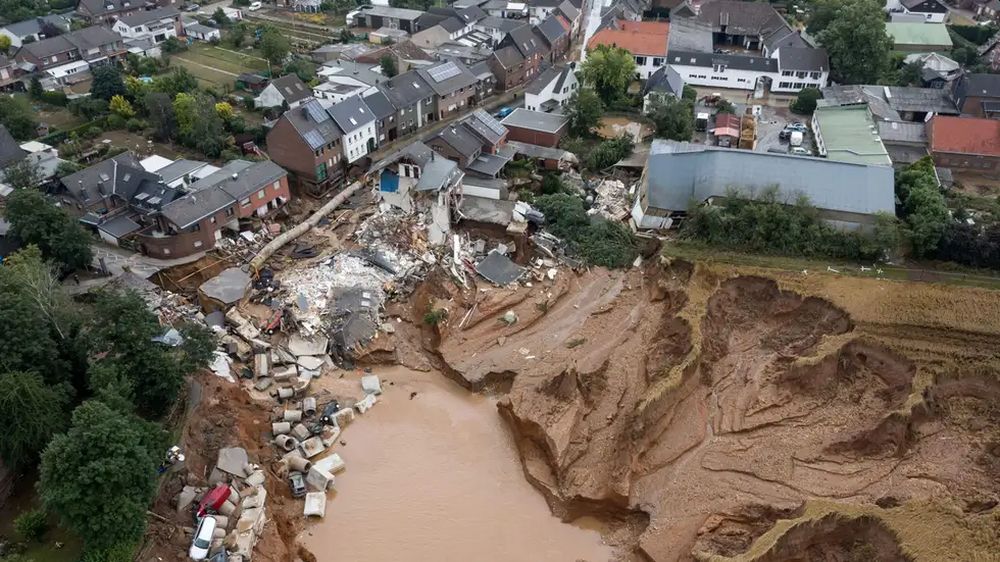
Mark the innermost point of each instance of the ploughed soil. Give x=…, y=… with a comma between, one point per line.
x=694, y=410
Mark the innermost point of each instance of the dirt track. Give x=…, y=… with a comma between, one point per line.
x=699, y=409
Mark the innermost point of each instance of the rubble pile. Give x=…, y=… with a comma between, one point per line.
x=242, y=248
x=611, y=200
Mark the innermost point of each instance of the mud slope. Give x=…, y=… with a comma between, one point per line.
x=703, y=407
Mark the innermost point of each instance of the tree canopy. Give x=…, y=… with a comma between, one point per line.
x=609, y=70
x=805, y=102
x=31, y=413
x=16, y=114
x=857, y=43
x=107, y=82
x=584, y=111
x=674, y=118
x=35, y=220
x=388, y=65
x=274, y=46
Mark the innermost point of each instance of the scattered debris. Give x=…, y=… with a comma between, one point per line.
x=315, y=504
x=371, y=385
x=499, y=269
x=224, y=290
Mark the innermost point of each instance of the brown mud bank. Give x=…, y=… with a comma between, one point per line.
x=708, y=413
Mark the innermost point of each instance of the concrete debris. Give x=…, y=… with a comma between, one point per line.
x=281, y=428
x=371, y=385
x=309, y=406
x=611, y=200
x=329, y=435
x=263, y=384
x=186, y=499
x=232, y=460
x=299, y=346
x=315, y=504
x=285, y=393
x=319, y=480
x=331, y=463
x=365, y=403
x=301, y=432
x=216, y=320
x=499, y=269
x=292, y=415
x=286, y=442
x=261, y=364
x=310, y=363
x=256, y=478
x=224, y=290
x=509, y=317
x=312, y=447
x=343, y=417
x=220, y=365
x=171, y=338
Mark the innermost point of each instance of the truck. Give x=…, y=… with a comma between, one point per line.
x=701, y=122
x=795, y=138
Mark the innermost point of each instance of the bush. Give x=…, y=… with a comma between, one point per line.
x=609, y=152
x=54, y=98
x=93, y=132
x=135, y=125
x=805, y=102
x=31, y=525
x=115, y=122
x=435, y=316
x=597, y=240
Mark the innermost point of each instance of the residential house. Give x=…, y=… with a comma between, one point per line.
x=454, y=84
x=106, y=11
x=965, y=143
x=538, y=10
x=978, y=95
x=10, y=72
x=385, y=115
x=67, y=58
x=647, y=41
x=536, y=127
x=930, y=11
x=307, y=142
x=33, y=29
x=414, y=100
x=357, y=123
x=344, y=51
x=486, y=82
x=555, y=30
x=849, y=196
x=343, y=78
x=746, y=25
x=572, y=14
x=287, y=90
x=405, y=53
x=936, y=71
x=416, y=179
x=497, y=27
x=155, y=25
x=505, y=9
x=509, y=68
x=905, y=141
x=518, y=57
x=918, y=37
x=441, y=25
x=847, y=133
x=552, y=90
x=475, y=143
x=469, y=52
x=180, y=174
x=665, y=82
x=375, y=17
x=894, y=103
x=202, y=32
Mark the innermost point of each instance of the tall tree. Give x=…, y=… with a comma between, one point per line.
x=16, y=114
x=31, y=413
x=100, y=476
x=388, y=64
x=4, y=44
x=23, y=174
x=160, y=112
x=35, y=220
x=107, y=82
x=674, y=118
x=584, y=111
x=857, y=43
x=609, y=70
x=274, y=46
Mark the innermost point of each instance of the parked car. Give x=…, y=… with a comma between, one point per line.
x=797, y=126
x=202, y=538
x=784, y=135
x=254, y=6
x=795, y=138
x=799, y=151
x=192, y=8
x=297, y=484
x=504, y=112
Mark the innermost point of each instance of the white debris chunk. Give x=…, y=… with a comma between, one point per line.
x=371, y=385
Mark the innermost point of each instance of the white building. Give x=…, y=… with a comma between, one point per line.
x=357, y=121
x=929, y=11
x=551, y=91
x=288, y=89
x=787, y=70
x=203, y=32
x=156, y=25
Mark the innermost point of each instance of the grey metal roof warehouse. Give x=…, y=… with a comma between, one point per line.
x=679, y=173
x=535, y=120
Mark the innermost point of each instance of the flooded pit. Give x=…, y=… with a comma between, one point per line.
x=438, y=478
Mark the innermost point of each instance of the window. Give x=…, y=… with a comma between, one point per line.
x=212, y=220
x=230, y=211
x=641, y=61
x=800, y=74
x=815, y=75
x=784, y=85
x=657, y=61
x=260, y=194
x=786, y=72
x=196, y=228
x=245, y=202
x=718, y=67
x=321, y=172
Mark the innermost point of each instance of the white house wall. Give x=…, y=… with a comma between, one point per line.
x=929, y=17
x=356, y=143
x=747, y=79
x=646, y=65
x=644, y=221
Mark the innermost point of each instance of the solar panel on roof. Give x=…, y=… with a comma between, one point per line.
x=444, y=72
x=314, y=139
x=490, y=122
x=316, y=112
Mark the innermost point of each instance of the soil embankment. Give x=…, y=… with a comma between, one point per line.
x=698, y=409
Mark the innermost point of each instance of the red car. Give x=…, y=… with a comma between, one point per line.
x=213, y=500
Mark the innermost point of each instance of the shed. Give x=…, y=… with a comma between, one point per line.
x=536, y=127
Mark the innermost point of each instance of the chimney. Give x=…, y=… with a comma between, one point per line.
x=235, y=175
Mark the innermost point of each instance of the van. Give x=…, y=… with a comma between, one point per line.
x=795, y=139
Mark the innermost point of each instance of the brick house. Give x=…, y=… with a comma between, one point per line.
x=530, y=47
x=964, y=143
x=536, y=127
x=555, y=30
x=978, y=95
x=105, y=11
x=414, y=100
x=64, y=58
x=509, y=67
x=475, y=143
x=454, y=84
x=307, y=142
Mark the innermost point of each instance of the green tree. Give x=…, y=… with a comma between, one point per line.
x=31, y=525
x=674, y=118
x=609, y=152
x=805, y=102
x=121, y=107
x=584, y=111
x=107, y=82
x=911, y=74
x=274, y=46
x=100, y=476
x=598, y=241
x=199, y=125
x=31, y=413
x=388, y=64
x=823, y=13
x=35, y=220
x=66, y=168
x=4, y=44
x=725, y=106
x=690, y=94
x=23, y=174
x=220, y=17
x=179, y=81
x=924, y=210
x=160, y=112
x=172, y=45
x=609, y=70
x=35, y=90
x=16, y=114
x=857, y=43
x=346, y=36
x=305, y=70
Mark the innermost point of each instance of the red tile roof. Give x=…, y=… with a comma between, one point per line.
x=636, y=37
x=964, y=135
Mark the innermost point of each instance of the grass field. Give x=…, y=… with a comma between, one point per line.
x=218, y=66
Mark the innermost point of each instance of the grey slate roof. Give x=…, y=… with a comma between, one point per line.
x=551, y=30
x=146, y=16
x=509, y=57
x=179, y=169
x=48, y=47
x=741, y=18
x=380, y=105
x=803, y=58
x=535, y=120
x=783, y=37
x=902, y=132
x=24, y=28
x=735, y=62
x=10, y=151
x=315, y=132
x=119, y=226
x=481, y=70
x=406, y=89
x=539, y=84
x=568, y=10
x=398, y=13
x=452, y=24
x=250, y=177
x=681, y=172
x=437, y=173
x=291, y=88
x=526, y=41
x=100, y=7
x=503, y=24
x=351, y=114
x=488, y=164
x=982, y=85
x=190, y=209
x=463, y=79
x=416, y=151
x=461, y=139
x=121, y=175
x=91, y=38
x=885, y=102
x=665, y=79
x=689, y=35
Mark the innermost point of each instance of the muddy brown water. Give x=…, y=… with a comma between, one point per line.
x=438, y=478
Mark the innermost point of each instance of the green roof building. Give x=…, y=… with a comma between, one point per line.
x=848, y=133
x=918, y=37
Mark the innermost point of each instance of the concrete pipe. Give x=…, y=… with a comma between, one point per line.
x=300, y=464
x=309, y=406
x=286, y=442
x=293, y=415
x=221, y=522
x=281, y=428
x=285, y=393
x=234, y=495
x=227, y=508
x=219, y=533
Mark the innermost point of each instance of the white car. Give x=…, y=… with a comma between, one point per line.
x=202, y=538
x=798, y=150
x=254, y=6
